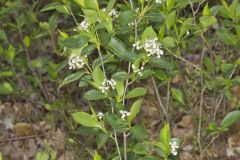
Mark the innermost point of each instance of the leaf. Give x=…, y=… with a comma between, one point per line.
x=55, y=6
x=207, y=21
x=6, y=74
x=206, y=11
x=178, y=95
x=6, y=88
x=1, y=156
x=98, y=76
x=77, y=41
x=148, y=34
x=106, y=58
x=161, y=63
x=136, y=92
x=170, y=20
x=168, y=42
x=101, y=139
x=71, y=78
x=135, y=109
x=97, y=156
x=85, y=119
x=42, y=156
x=91, y=14
x=93, y=4
x=11, y=53
x=230, y=119
x=94, y=94
x=140, y=148
x=170, y=4
x=120, y=76
x=165, y=136
x=110, y=5
x=118, y=47
x=27, y=41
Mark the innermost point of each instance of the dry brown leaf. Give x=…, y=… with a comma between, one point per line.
x=23, y=129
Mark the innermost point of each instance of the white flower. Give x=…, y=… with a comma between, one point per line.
x=100, y=115
x=187, y=33
x=113, y=13
x=75, y=62
x=159, y=1
x=124, y=114
x=131, y=24
x=152, y=47
x=112, y=83
x=174, y=147
x=107, y=84
x=84, y=25
x=137, y=71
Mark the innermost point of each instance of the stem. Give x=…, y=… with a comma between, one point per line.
x=201, y=99
x=159, y=99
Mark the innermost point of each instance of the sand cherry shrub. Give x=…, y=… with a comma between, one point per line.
x=114, y=46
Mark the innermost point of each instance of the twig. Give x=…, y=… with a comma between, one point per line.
x=201, y=97
x=20, y=138
x=159, y=99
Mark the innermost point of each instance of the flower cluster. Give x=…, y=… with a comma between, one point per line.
x=152, y=47
x=124, y=114
x=174, y=147
x=75, y=62
x=113, y=13
x=84, y=25
x=137, y=71
x=107, y=84
x=100, y=115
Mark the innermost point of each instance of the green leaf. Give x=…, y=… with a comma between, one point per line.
x=118, y=47
x=106, y=58
x=101, y=139
x=6, y=74
x=93, y=4
x=165, y=136
x=27, y=41
x=187, y=24
x=226, y=36
x=139, y=132
x=126, y=17
x=148, y=34
x=55, y=6
x=170, y=4
x=6, y=88
x=140, y=148
x=1, y=156
x=120, y=76
x=85, y=119
x=178, y=95
x=93, y=95
x=168, y=42
x=42, y=156
x=135, y=109
x=110, y=5
x=136, y=92
x=231, y=119
x=98, y=76
x=11, y=53
x=77, y=41
x=91, y=14
x=71, y=78
x=97, y=156
x=207, y=21
x=170, y=20
x=206, y=11
x=161, y=63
